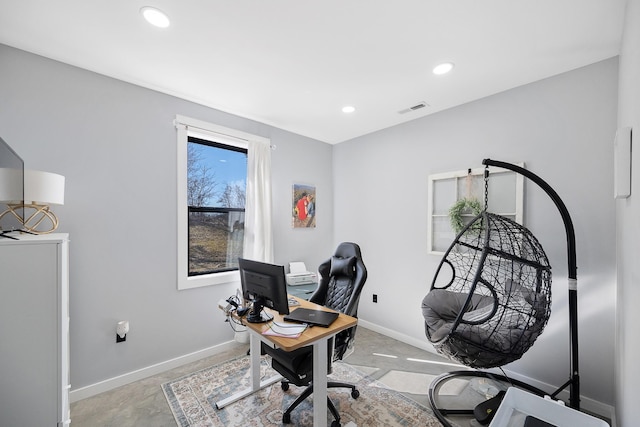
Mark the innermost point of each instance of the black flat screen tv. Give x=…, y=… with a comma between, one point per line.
x=11, y=189
x=266, y=286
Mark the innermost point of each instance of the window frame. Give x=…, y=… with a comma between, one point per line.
x=186, y=127
x=439, y=211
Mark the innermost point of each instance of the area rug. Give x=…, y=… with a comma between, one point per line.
x=192, y=400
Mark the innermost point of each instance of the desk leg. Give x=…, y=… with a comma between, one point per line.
x=254, y=372
x=320, y=383
x=255, y=361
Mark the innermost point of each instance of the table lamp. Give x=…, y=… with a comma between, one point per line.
x=31, y=209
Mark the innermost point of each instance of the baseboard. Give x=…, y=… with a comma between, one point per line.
x=587, y=404
x=124, y=379
x=422, y=344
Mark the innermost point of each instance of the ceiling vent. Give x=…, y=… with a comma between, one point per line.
x=414, y=108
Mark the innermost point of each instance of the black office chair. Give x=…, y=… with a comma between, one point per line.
x=341, y=280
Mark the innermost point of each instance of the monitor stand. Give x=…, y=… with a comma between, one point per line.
x=257, y=314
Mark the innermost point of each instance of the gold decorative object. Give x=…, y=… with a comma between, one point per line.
x=30, y=206
x=35, y=218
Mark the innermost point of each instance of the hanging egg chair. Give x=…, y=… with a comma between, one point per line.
x=490, y=300
x=491, y=295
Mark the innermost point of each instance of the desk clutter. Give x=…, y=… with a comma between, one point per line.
x=284, y=329
x=293, y=302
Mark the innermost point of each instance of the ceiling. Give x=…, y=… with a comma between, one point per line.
x=294, y=64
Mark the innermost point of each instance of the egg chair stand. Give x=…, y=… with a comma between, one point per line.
x=520, y=295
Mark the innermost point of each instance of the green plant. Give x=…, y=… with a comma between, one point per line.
x=460, y=208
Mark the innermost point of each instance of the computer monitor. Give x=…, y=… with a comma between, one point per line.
x=265, y=285
x=11, y=191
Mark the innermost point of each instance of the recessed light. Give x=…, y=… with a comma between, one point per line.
x=443, y=68
x=348, y=109
x=155, y=16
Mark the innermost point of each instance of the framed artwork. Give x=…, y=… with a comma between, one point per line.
x=303, y=213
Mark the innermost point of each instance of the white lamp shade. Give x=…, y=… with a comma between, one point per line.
x=41, y=187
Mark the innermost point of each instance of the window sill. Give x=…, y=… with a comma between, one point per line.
x=226, y=277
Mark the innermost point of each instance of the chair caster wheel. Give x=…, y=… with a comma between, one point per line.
x=286, y=418
x=284, y=386
x=355, y=393
x=335, y=423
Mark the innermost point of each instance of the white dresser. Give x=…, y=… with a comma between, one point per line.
x=34, y=331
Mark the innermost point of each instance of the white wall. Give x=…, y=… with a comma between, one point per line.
x=628, y=231
x=562, y=128
x=115, y=143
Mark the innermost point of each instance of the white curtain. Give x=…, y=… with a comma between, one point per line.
x=258, y=235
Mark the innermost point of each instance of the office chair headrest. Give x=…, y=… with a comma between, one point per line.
x=348, y=249
x=343, y=266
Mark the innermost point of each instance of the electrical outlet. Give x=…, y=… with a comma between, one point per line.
x=375, y=297
x=122, y=328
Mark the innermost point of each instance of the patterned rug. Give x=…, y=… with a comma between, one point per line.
x=192, y=400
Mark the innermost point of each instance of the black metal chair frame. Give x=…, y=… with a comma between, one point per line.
x=574, y=378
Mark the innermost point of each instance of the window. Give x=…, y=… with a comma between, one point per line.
x=506, y=194
x=223, y=202
x=216, y=193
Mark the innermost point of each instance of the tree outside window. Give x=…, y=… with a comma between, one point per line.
x=216, y=195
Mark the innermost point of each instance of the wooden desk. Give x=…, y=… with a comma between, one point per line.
x=316, y=336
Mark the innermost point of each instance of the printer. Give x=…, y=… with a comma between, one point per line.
x=298, y=275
